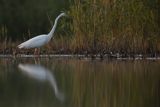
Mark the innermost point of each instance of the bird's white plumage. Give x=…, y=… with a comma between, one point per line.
x=34, y=71
x=40, y=40
x=35, y=42
x=40, y=73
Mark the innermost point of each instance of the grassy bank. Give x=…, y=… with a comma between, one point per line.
x=119, y=26
x=105, y=26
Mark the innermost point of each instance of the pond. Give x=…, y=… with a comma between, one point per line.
x=71, y=82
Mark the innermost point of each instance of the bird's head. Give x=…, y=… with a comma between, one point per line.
x=63, y=14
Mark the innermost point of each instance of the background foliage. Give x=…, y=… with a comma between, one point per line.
x=24, y=18
x=95, y=26
x=116, y=25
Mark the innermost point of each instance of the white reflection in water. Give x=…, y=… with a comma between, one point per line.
x=42, y=74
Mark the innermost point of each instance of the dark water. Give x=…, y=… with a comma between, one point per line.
x=50, y=82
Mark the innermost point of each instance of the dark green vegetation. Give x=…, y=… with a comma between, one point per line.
x=94, y=26
x=21, y=19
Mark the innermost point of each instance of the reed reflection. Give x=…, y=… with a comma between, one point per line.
x=42, y=74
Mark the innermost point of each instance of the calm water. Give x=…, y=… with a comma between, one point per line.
x=50, y=82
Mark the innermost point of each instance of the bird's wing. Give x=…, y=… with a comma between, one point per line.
x=35, y=71
x=34, y=42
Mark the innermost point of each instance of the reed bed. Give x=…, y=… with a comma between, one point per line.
x=129, y=26
x=104, y=26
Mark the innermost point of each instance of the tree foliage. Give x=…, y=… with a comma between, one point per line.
x=23, y=18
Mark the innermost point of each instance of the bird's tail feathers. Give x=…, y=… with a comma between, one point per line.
x=20, y=46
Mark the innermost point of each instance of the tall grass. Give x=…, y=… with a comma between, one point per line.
x=115, y=25
x=103, y=26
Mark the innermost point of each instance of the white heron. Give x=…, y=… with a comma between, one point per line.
x=40, y=40
x=42, y=74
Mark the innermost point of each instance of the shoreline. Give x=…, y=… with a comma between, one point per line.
x=82, y=56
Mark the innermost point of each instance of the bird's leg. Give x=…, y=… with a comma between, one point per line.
x=35, y=51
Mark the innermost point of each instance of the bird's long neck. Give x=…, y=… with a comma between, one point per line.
x=50, y=34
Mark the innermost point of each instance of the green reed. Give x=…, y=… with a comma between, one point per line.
x=113, y=25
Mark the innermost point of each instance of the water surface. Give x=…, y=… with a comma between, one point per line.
x=57, y=82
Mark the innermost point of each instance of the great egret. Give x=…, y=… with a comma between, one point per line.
x=42, y=74
x=40, y=40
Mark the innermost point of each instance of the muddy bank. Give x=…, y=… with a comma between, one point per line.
x=14, y=52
